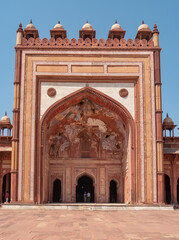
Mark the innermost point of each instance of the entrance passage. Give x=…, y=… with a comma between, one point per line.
x=6, y=187
x=113, y=191
x=167, y=189
x=57, y=191
x=178, y=191
x=85, y=190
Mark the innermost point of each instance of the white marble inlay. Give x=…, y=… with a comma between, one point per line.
x=64, y=89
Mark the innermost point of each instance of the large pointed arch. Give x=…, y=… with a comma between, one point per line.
x=98, y=98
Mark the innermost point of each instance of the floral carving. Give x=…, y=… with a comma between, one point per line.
x=122, y=42
x=101, y=42
x=87, y=42
x=59, y=42
x=80, y=42
x=51, y=92
x=137, y=42
x=73, y=42
x=66, y=42
x=45, y=42
x=94, y=42
x=144, y=43
x=31, y=41
x=115, y=42
x=37, y=42
x=52, y=41
x=24, y=42
x=123, y=92
x=109, y=42
x=130, y=42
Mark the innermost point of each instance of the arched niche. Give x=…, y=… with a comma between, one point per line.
x=113, y=190
x=122, y=132
x=56, y=190
x=167, y=189
x=85, y=186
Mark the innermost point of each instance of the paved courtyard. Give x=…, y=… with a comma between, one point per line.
x=103, y=225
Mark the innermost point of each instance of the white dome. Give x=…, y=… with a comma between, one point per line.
x=58, y=25
x=143, y=26
x=30, y=25
x=87, y=26
x=116, y=26
x=5, y=118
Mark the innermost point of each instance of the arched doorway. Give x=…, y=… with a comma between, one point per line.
x=167, y=189
x=85, y=185
x=57, y=191
x=113, y=191
x=178, y=191
x=6, y=186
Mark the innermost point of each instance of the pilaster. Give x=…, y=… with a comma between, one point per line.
x=159, y=134
x=15, y=139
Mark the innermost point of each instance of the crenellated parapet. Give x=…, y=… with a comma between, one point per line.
x=87, y=43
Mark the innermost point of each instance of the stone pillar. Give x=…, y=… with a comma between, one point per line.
x=159, y=133
x=174, y=181
x=7, y=182
x=102, y=185
x=68, y=184
x=15, y=137
x=19, y=35
x=155, y=36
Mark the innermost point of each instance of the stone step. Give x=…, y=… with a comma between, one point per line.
x=88, y=206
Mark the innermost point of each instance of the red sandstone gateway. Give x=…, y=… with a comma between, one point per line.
x=87, y=121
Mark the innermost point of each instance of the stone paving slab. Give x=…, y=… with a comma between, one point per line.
x=88, y=225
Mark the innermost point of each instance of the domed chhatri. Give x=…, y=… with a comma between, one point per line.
x=58, y=31
x=5, y=124
x=116, y=26
x=30, y=31
x=168, y=120
x=5, y=118
x=169, y=125
x=87, y=26
x=144, y=32
x=116, y=31
x=87, y=31
x=143, y=26
x=30, y=25
x=58, y=26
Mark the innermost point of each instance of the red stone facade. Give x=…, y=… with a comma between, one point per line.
x=87, y=117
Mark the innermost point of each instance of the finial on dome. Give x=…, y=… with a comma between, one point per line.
x=31, y=21
x=86, y=21
x=5, y=113
x=58, y=22
x=143, y=22
x=20, y=24
x=167, y=115
x=115, y=21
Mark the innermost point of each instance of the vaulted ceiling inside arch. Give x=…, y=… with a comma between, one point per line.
x=87, y=130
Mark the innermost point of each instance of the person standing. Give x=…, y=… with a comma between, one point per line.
x=84, y=196
x=7, y=197
x=88, y=197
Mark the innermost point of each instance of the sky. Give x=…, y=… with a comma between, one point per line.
x=101, y=14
